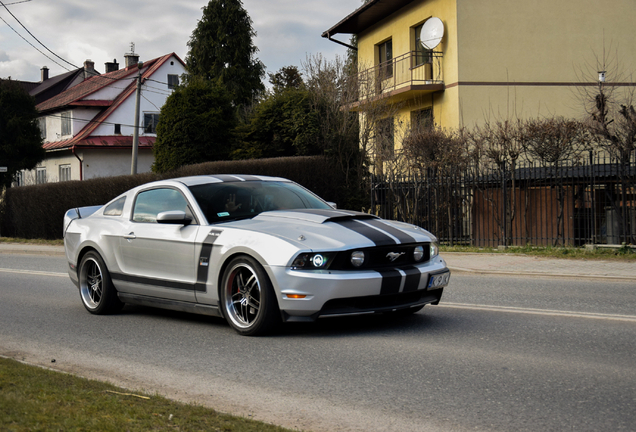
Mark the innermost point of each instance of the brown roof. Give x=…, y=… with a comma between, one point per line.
x=74, y=96
x=365, y=16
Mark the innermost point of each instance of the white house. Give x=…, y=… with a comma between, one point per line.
x=88, y=129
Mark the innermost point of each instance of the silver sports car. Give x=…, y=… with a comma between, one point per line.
x=255, y=250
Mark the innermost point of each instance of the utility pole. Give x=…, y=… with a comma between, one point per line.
x=133, y=167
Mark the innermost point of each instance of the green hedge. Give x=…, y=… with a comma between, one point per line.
x=37, y=211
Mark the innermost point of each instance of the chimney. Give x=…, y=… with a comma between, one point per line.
x=89, y=69
x=112, y=67
x=44, y=74
x=132, y=60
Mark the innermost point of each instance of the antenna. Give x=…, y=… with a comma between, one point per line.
x=432, y=33
x=132, y=47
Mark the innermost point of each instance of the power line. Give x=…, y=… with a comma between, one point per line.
x=16, y=32
x=18, y=2
x=27, y=30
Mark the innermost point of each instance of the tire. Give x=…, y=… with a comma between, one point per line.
x=98, y=294
x=247, y=298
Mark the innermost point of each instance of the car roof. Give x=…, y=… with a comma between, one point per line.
x=225, y=178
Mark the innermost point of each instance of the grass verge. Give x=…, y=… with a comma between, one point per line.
x=33, y=398
x=32, y=241
x=623, y=253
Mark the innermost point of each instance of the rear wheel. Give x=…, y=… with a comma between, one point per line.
x=247, y=297
x=96, y=288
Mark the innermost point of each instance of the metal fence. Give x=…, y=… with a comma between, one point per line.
x=566, y=204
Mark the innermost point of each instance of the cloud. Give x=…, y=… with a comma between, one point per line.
x=76, y=30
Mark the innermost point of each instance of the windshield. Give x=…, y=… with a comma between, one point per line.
x=221, y=202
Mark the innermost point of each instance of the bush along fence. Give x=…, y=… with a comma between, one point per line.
x=566, y=204
x=38, y=211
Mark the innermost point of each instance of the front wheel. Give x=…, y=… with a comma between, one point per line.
x=98, y=294
x=247, y=297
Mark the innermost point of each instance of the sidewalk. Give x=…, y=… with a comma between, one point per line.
x=484, y=263
x=525, y=265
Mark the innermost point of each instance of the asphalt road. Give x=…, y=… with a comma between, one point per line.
x=498, y=354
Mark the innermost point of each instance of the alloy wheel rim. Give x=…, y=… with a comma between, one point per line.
x=91, y=284
x=243, y=296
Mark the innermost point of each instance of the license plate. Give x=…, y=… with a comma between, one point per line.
x=438, y=280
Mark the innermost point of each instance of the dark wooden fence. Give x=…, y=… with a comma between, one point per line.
x=566, y=204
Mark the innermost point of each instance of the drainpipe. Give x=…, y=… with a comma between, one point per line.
x=81, y=163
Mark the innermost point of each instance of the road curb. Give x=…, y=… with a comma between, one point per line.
x=558, y=275
x=31, y=252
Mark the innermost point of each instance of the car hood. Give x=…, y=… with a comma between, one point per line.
x=333, y=229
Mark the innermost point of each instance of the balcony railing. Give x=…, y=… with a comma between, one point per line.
x=402, y=73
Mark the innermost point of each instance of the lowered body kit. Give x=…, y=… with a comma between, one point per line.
x=255, y=250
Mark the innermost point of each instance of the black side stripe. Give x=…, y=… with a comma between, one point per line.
x=377, y=237
x=413, y=276
x=204, y=261
x=391, y=281
x=150, y=281
x=397, y=233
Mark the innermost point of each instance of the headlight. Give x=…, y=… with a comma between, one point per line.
x=418, y=253
x=434, y=249
x=315, y=261
x=357, y=258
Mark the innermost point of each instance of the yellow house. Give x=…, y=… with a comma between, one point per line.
x=496, y=59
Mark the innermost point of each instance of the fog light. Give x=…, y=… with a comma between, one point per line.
x=418, y=253
x=357, y=258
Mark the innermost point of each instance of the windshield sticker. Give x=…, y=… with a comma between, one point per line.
x=222, y=214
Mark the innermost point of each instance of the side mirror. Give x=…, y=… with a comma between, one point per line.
x=174, y=217
x=333, y=205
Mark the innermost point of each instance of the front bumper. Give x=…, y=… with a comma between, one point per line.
x=338, y=293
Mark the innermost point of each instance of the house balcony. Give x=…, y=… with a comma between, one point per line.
x=410, y=75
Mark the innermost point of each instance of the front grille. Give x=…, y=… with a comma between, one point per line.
x=377, y=257
x=379, y=303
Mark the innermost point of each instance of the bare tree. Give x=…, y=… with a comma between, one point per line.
x=611, y=121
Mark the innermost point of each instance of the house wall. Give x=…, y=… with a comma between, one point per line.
x=522, y=58
x=95, y=163
x=114, y=162
x=506, y=59
x=154, y=96
x=399, y=28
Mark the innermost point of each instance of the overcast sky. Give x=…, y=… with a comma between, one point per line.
x=77, y=30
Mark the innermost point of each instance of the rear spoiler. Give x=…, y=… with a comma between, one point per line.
x=78, y=213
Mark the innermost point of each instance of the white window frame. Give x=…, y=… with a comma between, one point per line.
x=67, y=124
x=40, y=175
x=65, y=172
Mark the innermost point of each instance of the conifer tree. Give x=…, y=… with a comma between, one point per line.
x=221, y=49
x=20, y=136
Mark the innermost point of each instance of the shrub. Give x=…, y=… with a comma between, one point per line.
x=38, y=211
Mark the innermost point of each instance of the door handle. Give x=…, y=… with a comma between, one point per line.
x=130, y=236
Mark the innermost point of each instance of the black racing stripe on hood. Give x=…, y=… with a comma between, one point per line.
x=332, y=213
x=395, y=232
x=377, y=237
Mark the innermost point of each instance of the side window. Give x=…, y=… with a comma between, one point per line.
x=115, y=208
x=152, y=202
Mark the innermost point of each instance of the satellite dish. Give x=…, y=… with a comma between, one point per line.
x=432, y=33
